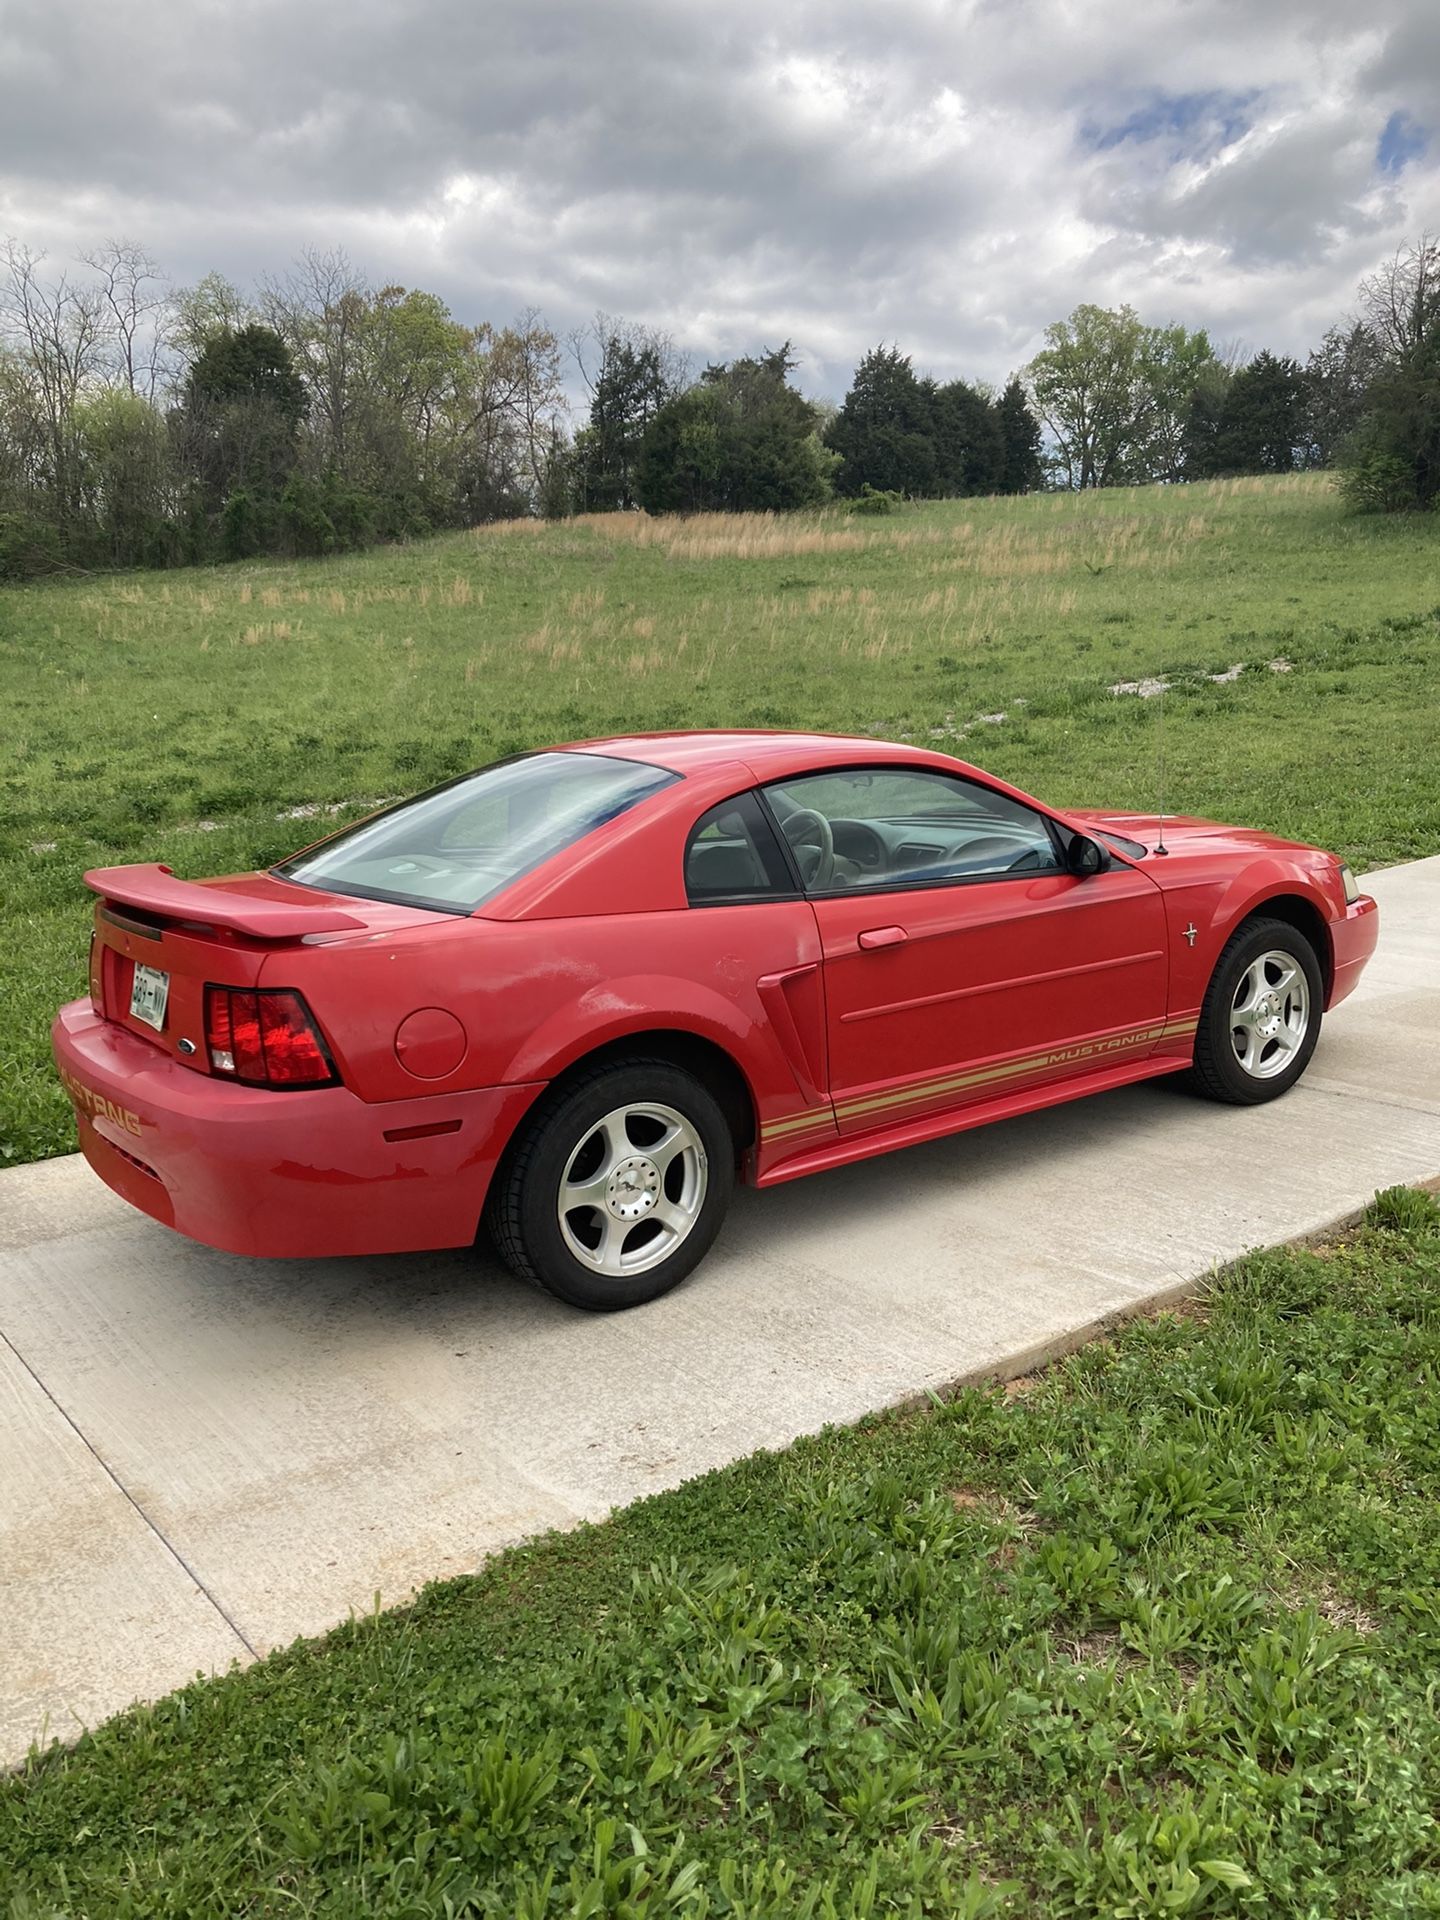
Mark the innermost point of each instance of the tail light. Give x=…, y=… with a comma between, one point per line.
x=265, y=1037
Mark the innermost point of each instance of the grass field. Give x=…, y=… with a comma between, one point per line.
x=215, y=720
x=1156, y=1637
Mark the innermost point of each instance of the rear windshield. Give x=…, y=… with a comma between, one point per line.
x=459, y=845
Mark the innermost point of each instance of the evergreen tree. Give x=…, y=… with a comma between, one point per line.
x=884, y=432
x=630, y=389
x=683, y=464
x=1261, y=423
x=1019, y=469
x=965, y=435
x=740, y=440
x=242, y=408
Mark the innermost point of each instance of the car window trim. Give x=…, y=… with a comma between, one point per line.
x=940, y=880
x=1052, y=826
x=777, y=833
x=765, y=822
x=352, y=892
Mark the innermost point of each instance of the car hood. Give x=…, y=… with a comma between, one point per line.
x=1184, y=833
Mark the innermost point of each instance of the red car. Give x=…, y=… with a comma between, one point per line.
x=577, y=993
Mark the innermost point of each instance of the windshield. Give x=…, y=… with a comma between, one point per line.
x=457, y=846
x=1122, y=843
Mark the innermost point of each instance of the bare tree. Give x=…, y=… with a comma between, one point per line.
x=319, y=310
x=23, y=439
x=1400, y=303
x=591, y=347
x=515, y=407
x=137, y=304
x=540, y=405
x=54, y=330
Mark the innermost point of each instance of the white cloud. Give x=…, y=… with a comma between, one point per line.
x=952, y=178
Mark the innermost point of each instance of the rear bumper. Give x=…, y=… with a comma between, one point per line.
x=1352, y=941
x=308, y=1173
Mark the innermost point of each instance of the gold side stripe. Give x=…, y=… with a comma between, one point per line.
x=1011, y=1069
x=799, y=1123
x=981, y=1076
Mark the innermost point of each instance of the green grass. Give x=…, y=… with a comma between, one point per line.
x=1156, y=1637
x=175, y=716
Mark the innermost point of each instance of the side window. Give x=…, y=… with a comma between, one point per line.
x=731, y=856
x=881, y=827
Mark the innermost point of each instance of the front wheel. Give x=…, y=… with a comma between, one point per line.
x=1261, y=1016
x=616, y=1187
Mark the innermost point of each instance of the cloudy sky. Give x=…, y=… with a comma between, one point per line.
x=948, y=174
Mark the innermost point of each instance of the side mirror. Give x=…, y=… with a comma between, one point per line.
x=1084, y=856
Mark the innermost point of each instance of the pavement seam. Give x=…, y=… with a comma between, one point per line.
x=1339, y=1089
x=125, y=1493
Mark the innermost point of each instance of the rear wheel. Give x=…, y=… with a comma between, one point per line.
x=617, y=1186
x=1261, y=1016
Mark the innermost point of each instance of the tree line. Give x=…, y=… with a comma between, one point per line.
x=1123, y=403
x=144, y=425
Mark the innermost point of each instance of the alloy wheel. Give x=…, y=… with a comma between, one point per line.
x=632, y=1189
x=1269, y=1014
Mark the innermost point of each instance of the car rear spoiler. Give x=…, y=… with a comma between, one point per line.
x=154, y=889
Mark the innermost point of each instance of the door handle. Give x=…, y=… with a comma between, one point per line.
x=882, y=937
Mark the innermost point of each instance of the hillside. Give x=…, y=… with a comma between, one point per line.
x=211, y=719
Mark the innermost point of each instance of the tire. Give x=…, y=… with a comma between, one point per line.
x=638, y=1225
x=1244, y=1061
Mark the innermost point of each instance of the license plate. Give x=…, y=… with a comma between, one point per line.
x=148, y=996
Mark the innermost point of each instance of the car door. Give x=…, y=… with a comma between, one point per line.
x=961, y=958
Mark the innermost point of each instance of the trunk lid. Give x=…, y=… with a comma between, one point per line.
x=159, y=940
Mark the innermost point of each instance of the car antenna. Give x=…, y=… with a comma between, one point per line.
x=1161, y=850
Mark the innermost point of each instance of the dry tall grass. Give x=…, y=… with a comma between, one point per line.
x=956, y=579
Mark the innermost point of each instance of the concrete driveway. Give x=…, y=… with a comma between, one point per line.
x=202, y=1457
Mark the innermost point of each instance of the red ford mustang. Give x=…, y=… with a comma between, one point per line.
x=578, y=992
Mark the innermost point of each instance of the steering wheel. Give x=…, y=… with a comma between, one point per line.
x=806, y=828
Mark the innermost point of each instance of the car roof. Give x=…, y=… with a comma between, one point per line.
x=767, y=753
